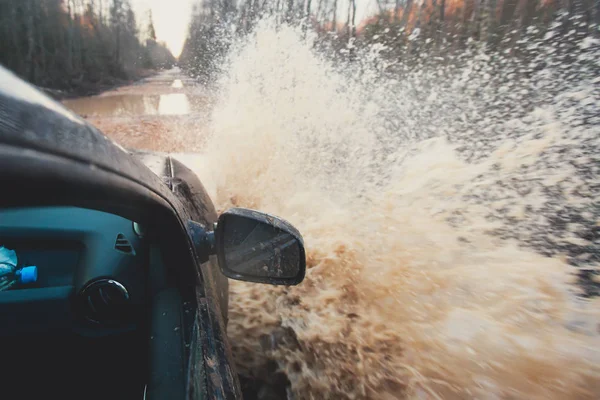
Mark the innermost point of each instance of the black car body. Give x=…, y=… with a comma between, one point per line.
x=70, y=340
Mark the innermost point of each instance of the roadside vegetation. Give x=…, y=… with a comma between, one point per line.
x=407, y=31
x=77, y=47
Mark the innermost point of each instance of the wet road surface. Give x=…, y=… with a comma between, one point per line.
x=166, y=112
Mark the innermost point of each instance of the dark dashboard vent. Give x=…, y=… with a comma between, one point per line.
x=123, y=245
x=104, y=301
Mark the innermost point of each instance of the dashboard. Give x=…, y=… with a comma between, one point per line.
x=92, y=271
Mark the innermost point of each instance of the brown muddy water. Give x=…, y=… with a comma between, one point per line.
x=165, y=112
x=450, y=216
x=132, y=105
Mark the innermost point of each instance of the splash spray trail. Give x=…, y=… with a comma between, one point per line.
x=446, y=213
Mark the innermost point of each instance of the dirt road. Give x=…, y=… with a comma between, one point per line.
x=165, y=112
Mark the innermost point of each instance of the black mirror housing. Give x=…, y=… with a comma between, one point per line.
x=257, y=247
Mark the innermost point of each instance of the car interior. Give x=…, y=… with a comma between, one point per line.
x=108, y=315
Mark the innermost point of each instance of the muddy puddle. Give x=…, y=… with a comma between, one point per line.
x=132, y=105
x=165, y=112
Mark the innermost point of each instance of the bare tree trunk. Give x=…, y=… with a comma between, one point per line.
x=69, y=39
x=411, y=43
x=31, y=67
x=353, y=18
x=515, y=25
x=334, y=22
x=396, y=10
x=14, y=30
x=118, y=45
x=489, y=22
x=441, y=24
x=318, y=11
x=80, y=42
x=508, y=11
x=406, y=14
x=462, y=27
x=528, y=9
x=419, y=14
x=442, y=11
x=41, y=45
x=319, y=8
x=477, y=19
x=348, y=18
x=465, y=13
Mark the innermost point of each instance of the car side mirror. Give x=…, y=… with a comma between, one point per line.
x=257, y=247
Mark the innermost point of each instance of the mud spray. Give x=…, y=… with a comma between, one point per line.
x=447, y=212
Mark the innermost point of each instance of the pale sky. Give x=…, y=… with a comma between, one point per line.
x=172, y=17
x=171, y=20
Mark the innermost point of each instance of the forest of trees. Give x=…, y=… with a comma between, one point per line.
x=77, y=46
x=81, y=46
x=405, y=27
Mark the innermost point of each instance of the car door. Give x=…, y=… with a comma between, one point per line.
x=211, y=370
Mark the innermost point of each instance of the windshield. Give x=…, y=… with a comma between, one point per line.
x=440, y=158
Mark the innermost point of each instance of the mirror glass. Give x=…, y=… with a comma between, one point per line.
x=258, y=249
